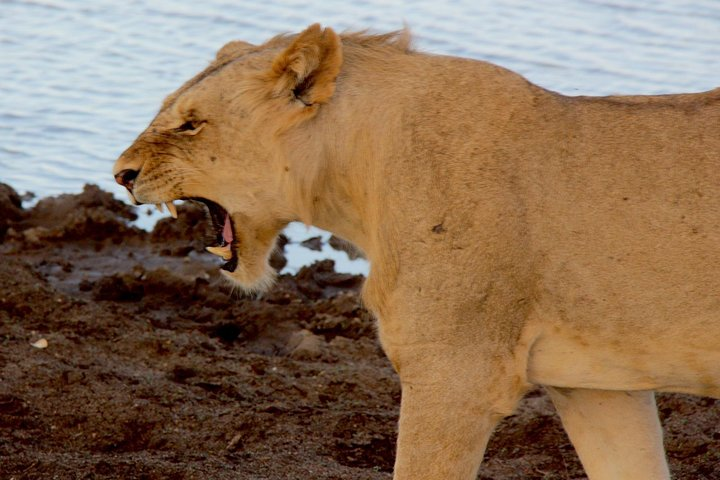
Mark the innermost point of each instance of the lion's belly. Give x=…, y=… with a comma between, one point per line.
x=629, y=303
x=682, y=361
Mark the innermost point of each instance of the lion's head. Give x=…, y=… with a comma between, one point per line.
x=213, y=141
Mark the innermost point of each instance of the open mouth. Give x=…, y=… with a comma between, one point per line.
x=223, y=238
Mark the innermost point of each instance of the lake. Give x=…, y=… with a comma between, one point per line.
x=80, y=79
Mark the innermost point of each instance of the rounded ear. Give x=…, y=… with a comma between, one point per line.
x=308, y=67
x=232, y=50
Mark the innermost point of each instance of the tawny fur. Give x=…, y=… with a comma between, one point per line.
x=515, y=236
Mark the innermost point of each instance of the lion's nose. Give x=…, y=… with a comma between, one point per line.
x=126, y=178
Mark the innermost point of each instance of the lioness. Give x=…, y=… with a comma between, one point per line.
x=516, y=236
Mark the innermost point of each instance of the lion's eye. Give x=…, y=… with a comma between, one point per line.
x=191, y=127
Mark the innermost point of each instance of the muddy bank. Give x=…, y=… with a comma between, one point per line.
x=155, y=368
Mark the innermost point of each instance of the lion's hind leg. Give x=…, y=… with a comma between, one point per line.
x=617, y=434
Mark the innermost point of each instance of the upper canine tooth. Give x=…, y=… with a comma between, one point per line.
x=171, y=208
x=132, y=198
x=159, y=207
x=224, y=252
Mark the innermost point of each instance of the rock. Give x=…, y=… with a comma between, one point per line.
x=313, y=243
x=344, y=246
x=42, y=343
x=305, y=345
x=35, y=235
x=277, y=257
x=118, y=288
x=320, y=280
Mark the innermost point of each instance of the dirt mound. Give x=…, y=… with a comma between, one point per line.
x=190, y=231
x=10, y=203
x=93, y=215
x=10, y=208
x=123, y=356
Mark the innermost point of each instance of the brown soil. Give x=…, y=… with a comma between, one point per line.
x=155, y=368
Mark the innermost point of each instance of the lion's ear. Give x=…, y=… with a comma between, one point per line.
x=308, y=67
x=232, y=50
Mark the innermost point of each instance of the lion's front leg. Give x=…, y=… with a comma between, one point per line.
x=616, y=434
x=450, y=405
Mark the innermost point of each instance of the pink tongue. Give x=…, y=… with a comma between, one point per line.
x=227, y=229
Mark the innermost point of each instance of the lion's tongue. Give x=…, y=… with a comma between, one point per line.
x=227, y=230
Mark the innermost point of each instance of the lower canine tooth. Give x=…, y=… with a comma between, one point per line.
x=171, y=208
x=224, y=252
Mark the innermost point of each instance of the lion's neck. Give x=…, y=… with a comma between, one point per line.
x=349, y=202
x=337, y=186
x=341, y=204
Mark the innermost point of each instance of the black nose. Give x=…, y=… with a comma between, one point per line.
x=126, y=177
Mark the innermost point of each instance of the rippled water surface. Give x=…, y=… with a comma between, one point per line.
x=80, y=79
